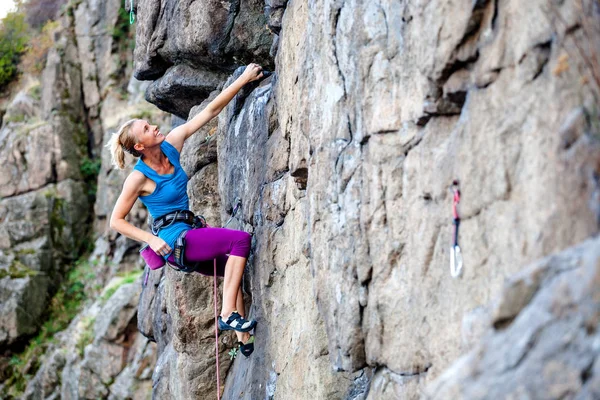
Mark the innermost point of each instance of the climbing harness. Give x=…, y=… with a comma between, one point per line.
x=456, y=262
x=179, y=254
x=188, y=217
x=164, y=221
x=154, y=261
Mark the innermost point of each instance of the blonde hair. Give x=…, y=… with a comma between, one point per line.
x=120, y=142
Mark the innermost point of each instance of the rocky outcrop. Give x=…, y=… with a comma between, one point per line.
x=544, y=337
x=44, y=199
x=188, y=48
x=102, y=34
x=344, y=160
x=254, y=167
x=50, y=134
x=101, y=354
x=39, y=229
x=380, y=162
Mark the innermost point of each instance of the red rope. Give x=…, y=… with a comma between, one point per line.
x=217, y=334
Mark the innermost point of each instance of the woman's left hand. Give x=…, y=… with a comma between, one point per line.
x=252, y=72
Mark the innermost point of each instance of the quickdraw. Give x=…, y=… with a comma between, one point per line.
x=131, y=13
x=238, y=203
x=456, y=261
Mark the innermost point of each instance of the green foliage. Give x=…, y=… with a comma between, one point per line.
x=13, y=43
x=90, y=167
x=86, y=335
x=15, y=118
x=121, y=28
x=127, y=278
x=17, y=270
x=57, y=220
x=123, y=43
x=36, y=92
x=64, y=306
x=25, y=252
x=233, y=353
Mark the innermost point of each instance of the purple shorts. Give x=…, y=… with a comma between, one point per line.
x=203, y=245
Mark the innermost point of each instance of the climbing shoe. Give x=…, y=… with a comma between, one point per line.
x=247, y=348
x=236, y=322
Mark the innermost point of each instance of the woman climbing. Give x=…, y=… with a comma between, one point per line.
x=160, y=183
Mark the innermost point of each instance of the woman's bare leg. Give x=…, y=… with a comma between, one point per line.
x=232, y=291
x=234, y=269
x=239, y=303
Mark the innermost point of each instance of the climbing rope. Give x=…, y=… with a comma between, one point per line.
x=456, y=262
x=216, y=332
x=238, y=203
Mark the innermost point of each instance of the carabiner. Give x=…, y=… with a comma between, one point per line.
x=238, y=203
x=131, y=13
x=456, y=261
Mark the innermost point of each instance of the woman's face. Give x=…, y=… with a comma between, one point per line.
x=147, y=135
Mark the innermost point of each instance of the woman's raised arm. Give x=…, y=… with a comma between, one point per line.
x=180, y=134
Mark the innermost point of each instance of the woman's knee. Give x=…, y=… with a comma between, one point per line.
x=246, y=239
x=242, y=245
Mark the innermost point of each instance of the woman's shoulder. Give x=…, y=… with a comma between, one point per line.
x=166, y=144
x=134, y=184
x=135, y=179
x=170, y=151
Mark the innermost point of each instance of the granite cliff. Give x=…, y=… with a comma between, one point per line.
x=343, y=159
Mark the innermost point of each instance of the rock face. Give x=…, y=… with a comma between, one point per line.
x=100, y=355
x=189, y=47
x=38, y=227
x=50, y=134
x=344, y=160
x=402, y=113
x=545, y=341
x=44, y=200
x=253, y=166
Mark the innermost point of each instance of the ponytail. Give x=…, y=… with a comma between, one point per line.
x=120, y=142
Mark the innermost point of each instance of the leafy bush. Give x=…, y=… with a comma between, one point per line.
x=13, y=42
x=90, y=168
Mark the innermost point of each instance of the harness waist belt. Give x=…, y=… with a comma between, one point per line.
x=177, y=216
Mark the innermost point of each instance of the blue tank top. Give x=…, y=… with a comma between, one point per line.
x=169, y=195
